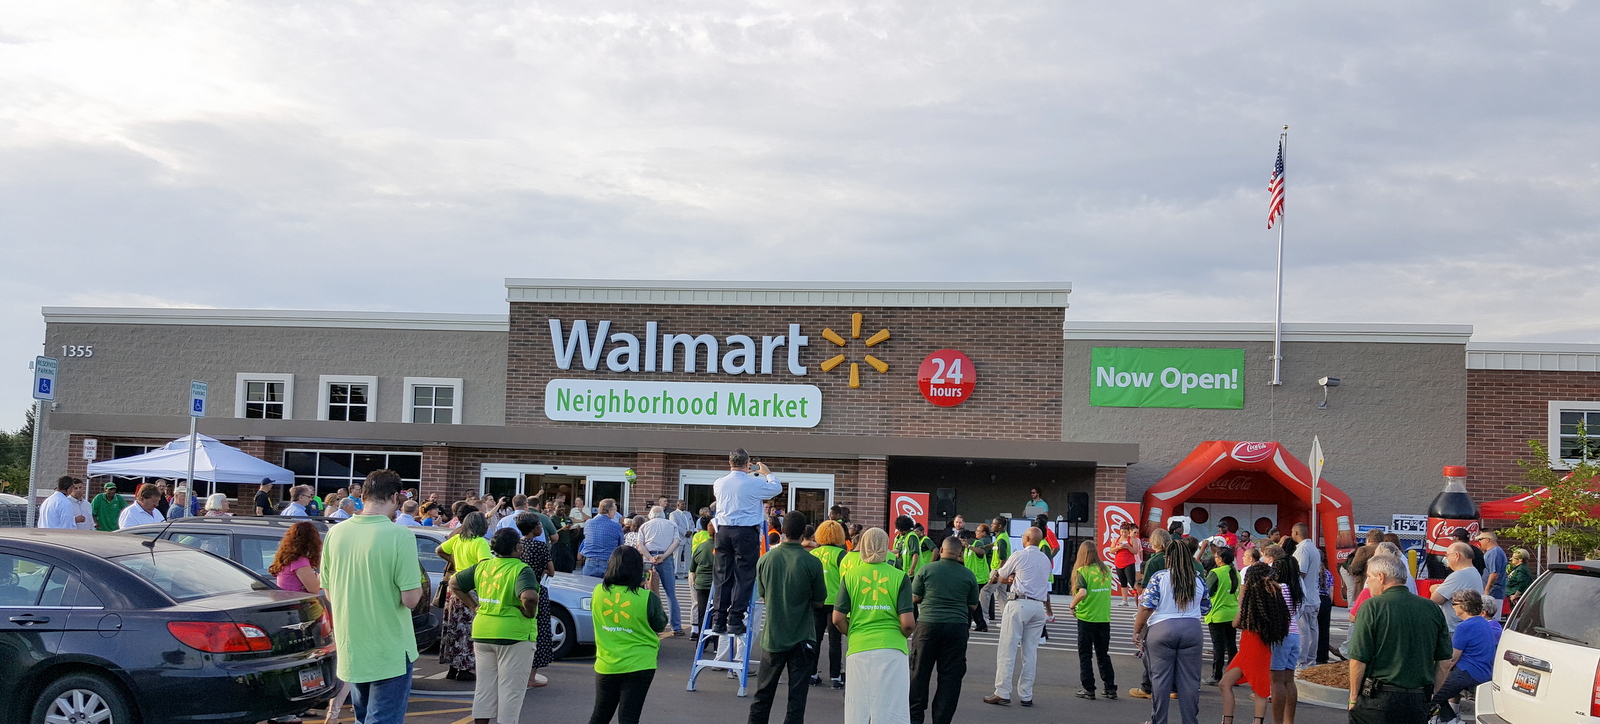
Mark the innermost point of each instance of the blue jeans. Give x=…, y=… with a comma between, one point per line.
x=383, y=701
x=596, y=568
x=666, y=571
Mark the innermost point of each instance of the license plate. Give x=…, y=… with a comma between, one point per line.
x=311, y=680
x=1526, y=682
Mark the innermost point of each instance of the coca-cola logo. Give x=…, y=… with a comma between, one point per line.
x=907, y=505
x=1442, y=528
x=1251, y=452
x=1235, y=483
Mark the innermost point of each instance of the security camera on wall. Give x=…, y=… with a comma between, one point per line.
x=1329, y=382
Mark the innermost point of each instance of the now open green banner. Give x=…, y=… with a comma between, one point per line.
x=1196, y=378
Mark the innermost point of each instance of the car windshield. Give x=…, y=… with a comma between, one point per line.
x=1561, y=607
x=187, y=575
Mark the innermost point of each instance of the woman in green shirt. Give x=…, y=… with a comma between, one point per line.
x=627, y=618
x=1223, y=583
x=830, y=550
x=465, y=547
x=874, y=609
x=1091, y=604
x=503, y=594
x=1518, y=577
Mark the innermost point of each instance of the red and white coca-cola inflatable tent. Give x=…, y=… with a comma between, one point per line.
x=1223, y=476
x=1512, y=508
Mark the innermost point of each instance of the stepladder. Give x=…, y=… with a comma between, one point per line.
x=732, y=650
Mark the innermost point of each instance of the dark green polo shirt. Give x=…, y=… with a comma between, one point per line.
x=790, y=583
x=1401, y=637
x=946, y=588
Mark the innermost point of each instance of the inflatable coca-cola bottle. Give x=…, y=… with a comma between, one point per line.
x=1453, y=509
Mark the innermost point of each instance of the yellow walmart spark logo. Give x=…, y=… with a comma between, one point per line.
x=875, y=584
x=855, y=333
x=616, y=608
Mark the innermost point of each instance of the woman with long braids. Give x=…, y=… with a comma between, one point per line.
x=1263, y=620
x=1285, y=697
x=1168, y=628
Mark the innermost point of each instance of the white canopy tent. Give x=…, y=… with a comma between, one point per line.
x=213, y=462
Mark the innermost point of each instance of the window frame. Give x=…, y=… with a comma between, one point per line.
x=1553, y=435
x=408, y=409
x=239, y=387
x=371, y=381
x=313, y=479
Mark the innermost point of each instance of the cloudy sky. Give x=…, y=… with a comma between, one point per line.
x=410, y=155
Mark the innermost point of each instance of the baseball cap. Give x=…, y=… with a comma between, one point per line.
x=111, y=486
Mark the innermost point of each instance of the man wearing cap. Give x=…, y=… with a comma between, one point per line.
x=1494, y=573
x=264, y=504
x=107, y=508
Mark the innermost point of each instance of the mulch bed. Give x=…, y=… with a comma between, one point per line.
x=1336, y=675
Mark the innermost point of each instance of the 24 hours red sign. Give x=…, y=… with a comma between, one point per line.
x=947, y=378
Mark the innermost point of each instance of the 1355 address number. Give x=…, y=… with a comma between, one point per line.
x=77, y=350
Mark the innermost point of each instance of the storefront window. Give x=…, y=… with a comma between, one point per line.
x=329, y=470
x=1570, y=420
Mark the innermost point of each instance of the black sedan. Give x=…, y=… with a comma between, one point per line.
x=110, y=629
x=253, y=543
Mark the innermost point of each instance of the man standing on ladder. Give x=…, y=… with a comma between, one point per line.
x=738, y=543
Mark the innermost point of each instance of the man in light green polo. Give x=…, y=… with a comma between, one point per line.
x=373, y=578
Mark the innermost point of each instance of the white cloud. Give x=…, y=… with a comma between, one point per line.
x=1442, y=162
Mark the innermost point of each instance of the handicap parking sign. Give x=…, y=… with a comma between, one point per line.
x=44, y=378
x=197, y=398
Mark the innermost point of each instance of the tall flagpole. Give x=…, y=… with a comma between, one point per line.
x=1277, y=323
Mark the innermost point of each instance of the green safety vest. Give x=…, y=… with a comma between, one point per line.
x=623, y=640
x=1044, y=547
x=1224, y=600
x=499, y=609
x=874, y=616
x=830, y=557
x=700, y=536
x=849, y=561
x=1096, y=604
x=904, y=547
x=1000, y=552
x=978, y=564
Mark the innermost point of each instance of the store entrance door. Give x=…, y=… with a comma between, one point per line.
x=582, y=485
x=698, y=495
x=812, y=499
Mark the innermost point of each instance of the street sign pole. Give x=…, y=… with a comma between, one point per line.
x=1316, y=488
x=197, y=410
x=44, y=389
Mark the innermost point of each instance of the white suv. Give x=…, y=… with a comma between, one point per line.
x=1547, y=668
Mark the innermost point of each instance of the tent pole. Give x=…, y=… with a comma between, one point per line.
x=193, y=421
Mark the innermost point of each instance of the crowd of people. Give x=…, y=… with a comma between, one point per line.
x=893, y=607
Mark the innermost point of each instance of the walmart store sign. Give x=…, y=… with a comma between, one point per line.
x=683, y=403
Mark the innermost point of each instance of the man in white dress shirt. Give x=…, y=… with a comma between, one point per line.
x=738, y=543
x=1028, y=573
x=660, y=537
x=143, y=509
x=408, y=514
x=60, y=510
x=685, y=524
x=80, y=500
x=299, y=495
x=1310, y=560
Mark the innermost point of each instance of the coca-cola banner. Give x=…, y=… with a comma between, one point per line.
x=1109, y=517
x=912, y=504
x=1442, y=532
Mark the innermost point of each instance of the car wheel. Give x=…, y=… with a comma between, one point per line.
x=82, y=699
x=563, y=633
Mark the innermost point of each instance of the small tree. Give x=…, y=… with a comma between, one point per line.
x=16, y=449
x=1563, y=517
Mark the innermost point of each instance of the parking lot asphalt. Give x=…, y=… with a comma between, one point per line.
x=570, y=693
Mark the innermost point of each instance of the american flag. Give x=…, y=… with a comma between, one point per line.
x=1275, y=187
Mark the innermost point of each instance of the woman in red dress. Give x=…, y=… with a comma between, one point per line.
x=1263, y=620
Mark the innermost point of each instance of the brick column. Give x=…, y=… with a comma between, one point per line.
x=651, y=481
x=437, y=476
x=869, y=500
x=1110, y=484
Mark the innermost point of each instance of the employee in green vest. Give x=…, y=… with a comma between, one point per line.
x=107, y=508
x=874, y=609
x=1091, y=604
x=1223, y=583
x=908, y=546
x=998, y=553
x=627, y=617
x=702, y=566
x=505, y=629
x=976, y=558
x=830, y=550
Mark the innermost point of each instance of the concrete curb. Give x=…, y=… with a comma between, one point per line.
x=1322, y=695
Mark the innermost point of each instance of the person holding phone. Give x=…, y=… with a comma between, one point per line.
x=739, y=497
